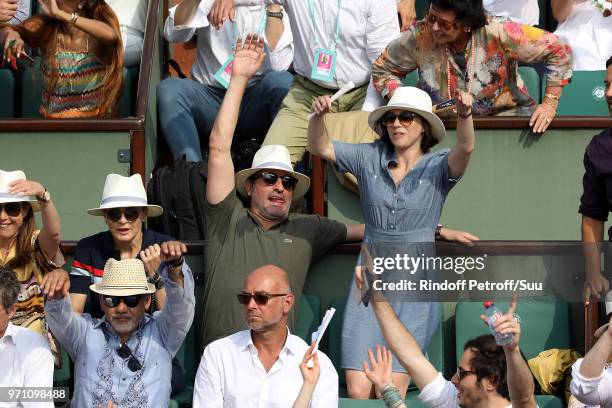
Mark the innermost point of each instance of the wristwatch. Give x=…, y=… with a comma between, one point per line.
x=177, y=263
x=46, y=196
x=438, y=229
x=275, y=14
x=156, y=280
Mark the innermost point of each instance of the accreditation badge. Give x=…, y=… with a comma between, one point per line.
x=224, y=74
x=324, y=65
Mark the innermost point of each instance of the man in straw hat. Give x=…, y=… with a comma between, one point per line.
x=240, y=240
x=125, y=356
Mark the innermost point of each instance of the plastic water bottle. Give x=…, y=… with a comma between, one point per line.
x=493, y=313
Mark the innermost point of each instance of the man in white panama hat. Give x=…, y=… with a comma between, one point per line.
x=240, y=240
x=125, y=356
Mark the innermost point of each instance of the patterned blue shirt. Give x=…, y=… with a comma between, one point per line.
x=101, y=375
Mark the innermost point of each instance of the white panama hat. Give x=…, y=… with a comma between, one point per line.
x=123, y=278
x=273, y=157
x=6, y=178
x=122, y=192
x=414, y=100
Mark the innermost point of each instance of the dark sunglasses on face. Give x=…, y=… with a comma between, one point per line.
x=405, y=118
x=260, y=298
x=289, y=182
x=11, y=209
x=130, y=301
x=443, y=24
x=133, y=363
x=461, y=373
x=130, y=213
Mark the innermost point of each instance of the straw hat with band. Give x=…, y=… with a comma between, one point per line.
x=415, y=100
x=121, y=192
x=273, y=157
x=123, y=278
x=6, y=178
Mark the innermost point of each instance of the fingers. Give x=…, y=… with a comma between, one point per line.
x=322, y=104
x=358, y=278
x=587, y=294
x=512, y=305
x=308, y=353
x=541, y=118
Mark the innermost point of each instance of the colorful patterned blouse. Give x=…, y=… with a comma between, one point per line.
x=498, y=48
x=78, y=90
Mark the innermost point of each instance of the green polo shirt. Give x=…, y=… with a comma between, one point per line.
x=236, y=244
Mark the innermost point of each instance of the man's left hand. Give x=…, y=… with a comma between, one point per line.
x=55, y=284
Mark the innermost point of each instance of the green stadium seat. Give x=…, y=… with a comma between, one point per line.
x=308, y=318
x=128, y=96
x=7, y=102
x=173, y=404
x=584, y=95
x=61, y=376
x=544, y=325
x=532, y=81
x=421, y=8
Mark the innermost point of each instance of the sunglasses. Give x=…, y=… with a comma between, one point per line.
x=443, y=24
x=405, y=118
x=461, y=373
x=260, y=298
x=11, y=209
x=289, y=182
x=125, y=353
x=130, y=213
x=130, y=301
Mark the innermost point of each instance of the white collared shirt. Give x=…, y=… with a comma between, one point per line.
x=231, y=375
x=521, y=11
x=592, y=391
x=366, y=27
x=215, y=46
x=441, y=393
x=25, y=361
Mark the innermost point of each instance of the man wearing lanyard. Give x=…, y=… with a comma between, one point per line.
x=335, y=42
x=187, y=108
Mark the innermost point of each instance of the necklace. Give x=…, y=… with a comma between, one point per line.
x=470, y=70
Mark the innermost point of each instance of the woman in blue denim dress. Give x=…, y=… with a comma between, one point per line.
x=402, y=188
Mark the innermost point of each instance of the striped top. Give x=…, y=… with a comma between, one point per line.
x=78, y=90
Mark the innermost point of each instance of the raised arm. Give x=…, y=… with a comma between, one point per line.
x=102, y=31
x=520, y=380
x=460, y=154
x=402, y=343
x=318, y=141
x=407, y=13
x=247, y=61
x=595, y=360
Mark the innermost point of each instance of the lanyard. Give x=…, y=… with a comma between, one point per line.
x=260, y=29
x=314, y=24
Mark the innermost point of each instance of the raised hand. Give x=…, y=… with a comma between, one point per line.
x=172, y=250
x=463, y=102
x=321, y=105
x=508, y=323
x=49, y=7
x=221, y=10
x=55, y=284
x=249, y=57
x=26, y=188
x=407, y=12
x=151, y=257
x=310, y=375
x=380, y=373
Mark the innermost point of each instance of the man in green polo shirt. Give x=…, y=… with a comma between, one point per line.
x=239, y=240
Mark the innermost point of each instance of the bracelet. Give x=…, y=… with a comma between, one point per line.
x=438, y=229
x=275, y=14
x=156, y=280
x=552, y=103
x=551, y=96
x=177, y=263
x=73, y=18
x=465, y=116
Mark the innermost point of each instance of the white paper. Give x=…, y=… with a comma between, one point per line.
x=345, y=88
x=318, y=335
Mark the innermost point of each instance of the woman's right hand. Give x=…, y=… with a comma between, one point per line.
x=463, y=102
x=13, y=45
x=310, y=374
x=380, y=374
x=49, y=8
x=321, y=105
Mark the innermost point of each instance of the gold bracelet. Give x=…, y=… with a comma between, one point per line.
x=73, y=18
x=551, y=96
x=552, y=103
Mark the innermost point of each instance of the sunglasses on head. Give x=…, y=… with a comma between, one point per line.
x=443, y=24
x=125, y=353
x=461, y=373
x=130, y=301
x=11, y=209
x=259, y=297
x=130, y=213
x=405, y=118
x=289, y=182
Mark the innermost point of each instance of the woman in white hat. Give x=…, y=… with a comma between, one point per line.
x=402, y=189
x=125, y=209
x=30, y=252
